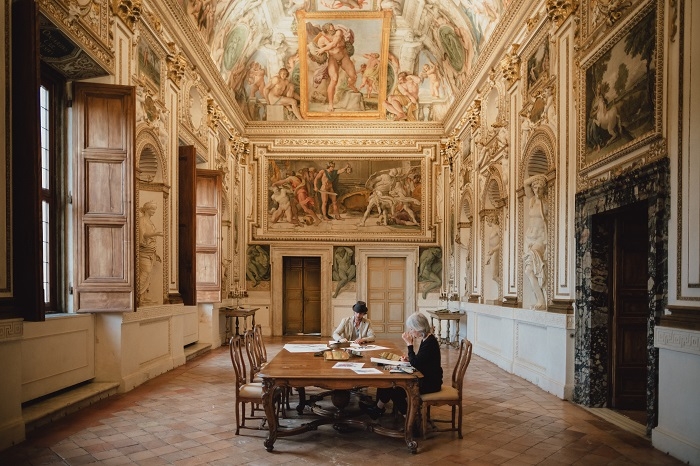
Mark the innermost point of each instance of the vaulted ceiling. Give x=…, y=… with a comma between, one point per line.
x=408, y=58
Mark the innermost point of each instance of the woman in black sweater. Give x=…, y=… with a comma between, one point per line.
x=426, y=360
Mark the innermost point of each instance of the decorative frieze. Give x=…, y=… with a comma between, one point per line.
x=11, y=329
x=675, y=339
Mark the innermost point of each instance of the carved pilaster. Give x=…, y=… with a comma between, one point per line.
x=474, y=115
x=214, y=114
x=559, y=10
x=450, y=149
x=239, y=147
x=128, y=11
x=510, y=65
x=176, y=63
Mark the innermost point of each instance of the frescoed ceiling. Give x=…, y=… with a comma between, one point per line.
x=407, y=67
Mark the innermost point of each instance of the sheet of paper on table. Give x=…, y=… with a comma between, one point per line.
x=367, y=370
x=305, y=347
x=357, y=347
x=348, y=365
x=390, y=362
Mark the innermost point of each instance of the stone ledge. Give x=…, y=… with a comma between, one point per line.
x=196, y=349
x=57, y=406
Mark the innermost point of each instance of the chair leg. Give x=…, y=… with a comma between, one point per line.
x=423, y=419
x=459, y=421
x=238, y=423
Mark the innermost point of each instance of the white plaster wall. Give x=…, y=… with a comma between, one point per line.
x=534, y=345
x=678, y=431
x=57, y=353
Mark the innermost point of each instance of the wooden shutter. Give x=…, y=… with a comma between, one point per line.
x=187, y=222
x=104, y=122
x=208, y=262
x=22, y=282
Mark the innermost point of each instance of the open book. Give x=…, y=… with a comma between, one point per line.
x=388, y=358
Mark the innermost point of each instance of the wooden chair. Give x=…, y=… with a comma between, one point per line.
x=246, y=392
x=450, y=395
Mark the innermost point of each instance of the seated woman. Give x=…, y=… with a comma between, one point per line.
x=426, y=360
x=356, y=328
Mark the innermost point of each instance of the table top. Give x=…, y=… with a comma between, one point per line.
x=305, y=368
x=238, y=311
x=446, y=315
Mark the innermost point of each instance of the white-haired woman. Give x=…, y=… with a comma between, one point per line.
x=426, y=360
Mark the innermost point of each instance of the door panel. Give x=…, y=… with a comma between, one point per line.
x=312, y=295
x=386, y=294
x=630, y=310
x=293, y=296
x=301, y=295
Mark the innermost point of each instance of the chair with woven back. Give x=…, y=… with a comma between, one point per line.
x=450, y=395
x=246, y=391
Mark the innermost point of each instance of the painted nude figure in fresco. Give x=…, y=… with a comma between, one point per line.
x=304, y=200
x=148, y=254
x=330, y=48
x=280, y=91
x=536, y=238
x=343, y=267
x=326, y=184
x=403, y=102
x=430, y=269
x=258, y=267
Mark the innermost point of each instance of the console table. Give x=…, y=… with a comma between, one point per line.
x=238, y=312
x=447, y=317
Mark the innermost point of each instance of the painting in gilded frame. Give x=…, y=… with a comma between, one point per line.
x=340, y=53
x=149, y=64
x=621, y=108
x=345, y=199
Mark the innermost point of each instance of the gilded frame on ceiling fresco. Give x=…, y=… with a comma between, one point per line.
x=382, y=198
x=365, y=41
x=620, y=91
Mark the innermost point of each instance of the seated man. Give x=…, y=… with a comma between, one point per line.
x=356, y=328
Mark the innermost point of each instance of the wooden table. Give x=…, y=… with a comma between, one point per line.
x=290, y=370
x=447, y=317
x=237, y=312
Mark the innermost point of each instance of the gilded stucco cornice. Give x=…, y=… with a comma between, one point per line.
x=373, y=129
x=89, y=29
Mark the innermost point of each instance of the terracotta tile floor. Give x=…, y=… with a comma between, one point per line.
x=186, y=417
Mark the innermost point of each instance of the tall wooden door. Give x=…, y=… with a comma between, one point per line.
x=386, y=289
x=302, y=295
x=630, y=309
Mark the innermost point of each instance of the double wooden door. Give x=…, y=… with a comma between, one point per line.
x=301, y=295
